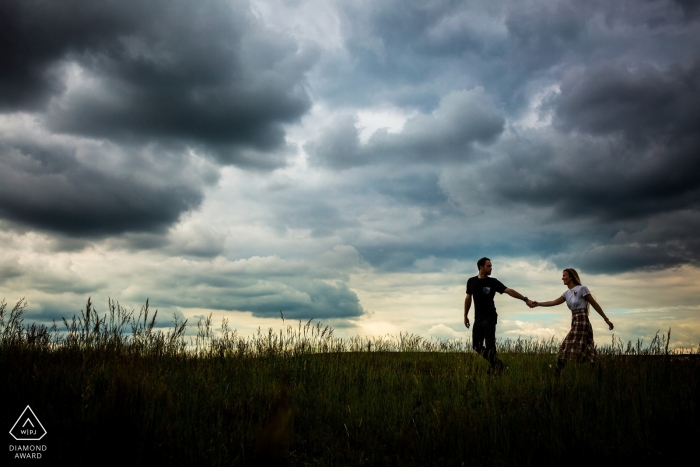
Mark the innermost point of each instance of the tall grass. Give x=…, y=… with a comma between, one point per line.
x=114, y=386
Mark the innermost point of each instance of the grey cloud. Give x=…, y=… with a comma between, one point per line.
x=10, y=268
x=209, y=74
x=543, y=32
x=56, y=311
x=622, y=147
x=691, y=8
x=414, y=188
x=410, y=53
x=646, y=104
x=45, y=312
x=407, y=53
x=323, y=219
x=33, y=276
x=664, y=240
x=262, y=286
x=619, y=155
x=54, y=184
x=490, y=233
x=585, y=176
x=315, y=300
x=338, y=146
x=126, y=99
x=348, y=206
x=613, y=259
x=198, y=241
x=628, y=149
x=35, y=35
x=625, y=205
x=462, y=119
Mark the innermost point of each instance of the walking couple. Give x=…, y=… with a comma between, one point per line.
x=578, y=344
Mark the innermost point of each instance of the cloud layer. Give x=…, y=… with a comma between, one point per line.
x=125, y=99
x=264, y=154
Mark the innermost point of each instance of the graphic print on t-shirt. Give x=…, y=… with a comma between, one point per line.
x=573, y=300
x=482, y=291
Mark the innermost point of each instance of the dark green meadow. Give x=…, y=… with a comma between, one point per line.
x=111, y=387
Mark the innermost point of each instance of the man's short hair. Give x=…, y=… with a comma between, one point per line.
x=482, y=262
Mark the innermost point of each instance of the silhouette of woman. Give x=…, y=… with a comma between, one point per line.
x=578, y=343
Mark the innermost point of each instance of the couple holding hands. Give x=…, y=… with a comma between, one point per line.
x=578, y=344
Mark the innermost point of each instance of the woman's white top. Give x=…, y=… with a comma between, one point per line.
x=574, y=297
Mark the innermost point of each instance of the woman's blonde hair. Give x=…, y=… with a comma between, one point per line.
x=573, y=275
x=577, y=280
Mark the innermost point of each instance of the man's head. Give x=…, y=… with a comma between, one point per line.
x=484, y=265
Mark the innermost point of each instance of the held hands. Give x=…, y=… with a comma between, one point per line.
x=532, y=303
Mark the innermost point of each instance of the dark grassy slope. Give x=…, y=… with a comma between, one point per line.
x=303, y=397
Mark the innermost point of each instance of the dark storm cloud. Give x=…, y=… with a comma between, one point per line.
x=407, y=52
x=53, y=186
x=315, y=300
x=465, y=243
x=646, y=105
x=307, y=299
x=449, y=133
x=410, y=53
x=626, y=203
x=663, y=241
x=628, y=146
x=142, y=86
x=210, y=73
x=613, y=259
x=622, y=149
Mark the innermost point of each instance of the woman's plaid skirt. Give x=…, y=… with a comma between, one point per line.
x=578, y=344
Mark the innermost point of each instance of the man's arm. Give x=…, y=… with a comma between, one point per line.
x=467, y=306
x=516, y=294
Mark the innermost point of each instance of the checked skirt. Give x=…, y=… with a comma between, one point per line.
x=578, y=344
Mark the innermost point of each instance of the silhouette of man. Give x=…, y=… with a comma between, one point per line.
x=482, y=288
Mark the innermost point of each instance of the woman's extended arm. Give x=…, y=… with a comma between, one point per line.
x=557, y=301
x=591, y=300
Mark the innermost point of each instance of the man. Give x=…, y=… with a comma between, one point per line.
x=483, y=288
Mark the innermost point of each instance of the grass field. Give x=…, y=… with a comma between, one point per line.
x=111, y=387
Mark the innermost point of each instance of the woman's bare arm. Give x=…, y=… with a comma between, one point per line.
x=557, y=301
x=594, y=304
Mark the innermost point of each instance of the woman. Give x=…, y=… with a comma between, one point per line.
x=578, y=344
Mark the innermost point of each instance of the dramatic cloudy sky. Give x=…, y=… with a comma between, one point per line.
x=349, y=161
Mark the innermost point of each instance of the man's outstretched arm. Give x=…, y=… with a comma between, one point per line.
x=516, y=294
x=467, y=306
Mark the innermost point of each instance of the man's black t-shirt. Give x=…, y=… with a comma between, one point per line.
x=482, y=292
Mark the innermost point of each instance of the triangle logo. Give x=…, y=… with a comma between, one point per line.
x=28, y=427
